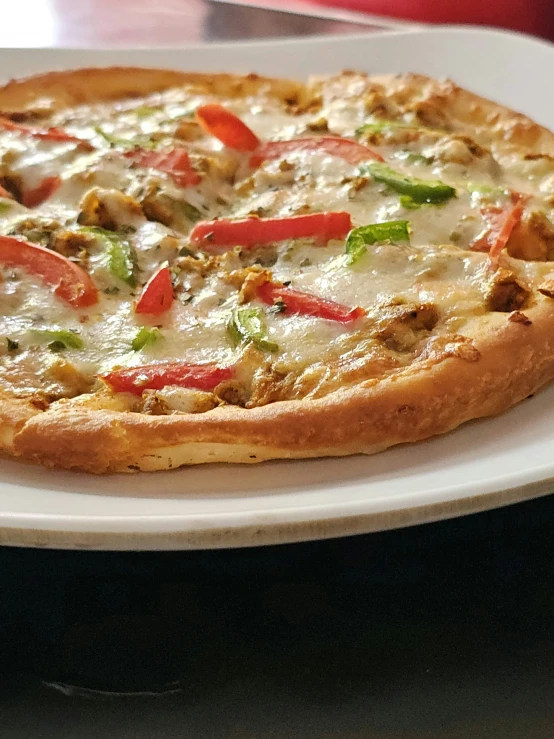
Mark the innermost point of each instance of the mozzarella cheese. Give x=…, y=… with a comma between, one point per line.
x=436, y=267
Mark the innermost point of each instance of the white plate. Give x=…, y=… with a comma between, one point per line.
x=482, y=465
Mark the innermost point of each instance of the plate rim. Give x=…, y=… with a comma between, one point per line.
x=308, y=522
x=245, y=535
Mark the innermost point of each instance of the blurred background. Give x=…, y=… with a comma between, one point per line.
x=93, y=23
x=531, y=16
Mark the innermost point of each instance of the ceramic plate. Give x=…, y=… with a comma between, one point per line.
x=481, y=465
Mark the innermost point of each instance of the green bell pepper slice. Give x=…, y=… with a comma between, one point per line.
x=145, y=337
x=60, y=339
x=420, y=191
x=389, y=232
x=120, y=253
x=247, y=325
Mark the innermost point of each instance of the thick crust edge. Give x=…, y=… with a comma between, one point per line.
x=430, y=398
x=58, y=90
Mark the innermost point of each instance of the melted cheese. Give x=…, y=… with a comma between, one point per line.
x=428, y=270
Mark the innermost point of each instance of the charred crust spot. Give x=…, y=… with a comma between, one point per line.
x=547, y=289
x=40, y=403
x=429, y=113
x=405, y=409
x=519, y=317
x=466, y=351
x=504, y=294
x=453, y=345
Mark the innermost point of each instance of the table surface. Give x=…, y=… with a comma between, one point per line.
x=441, y=631
x=93, y=23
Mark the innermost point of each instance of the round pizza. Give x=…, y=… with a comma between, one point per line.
x=216, y=268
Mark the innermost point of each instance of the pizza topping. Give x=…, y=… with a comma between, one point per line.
x=59, y=339
x=118, y=141
x=50, y=134
x=532, y=238
x=247, y=325
x=39, y=194
x=419, y=191
x=501, y=221
x=175, y=163
x=157, y=295
x=390, y=232
x=396, y=133
x=249, y=232
x=108, y=208
x=70, y=282
x=278, y=216
x=504, y=293
x=227, y=127
x=173, y=212
x=119, y=253
x=400, y=325
x=385, y=125
x=145, y=337
x=350, y=151
x=158, y=376
x=177, y=400
x=306, y=304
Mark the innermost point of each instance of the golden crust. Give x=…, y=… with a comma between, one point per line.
x=87, y=86
x=430, y=397
x=502, y=126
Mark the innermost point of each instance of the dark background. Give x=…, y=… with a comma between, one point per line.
x=443, y=630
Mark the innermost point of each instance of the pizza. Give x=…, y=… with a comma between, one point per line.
x=215, y=268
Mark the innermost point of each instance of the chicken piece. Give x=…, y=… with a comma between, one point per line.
x=503, y=293
x=108, y=209
x=533, y=238
x=400, y=326
x=65, y=380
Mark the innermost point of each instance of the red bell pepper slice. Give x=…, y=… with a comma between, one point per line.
x=49, y=134
x=351, y=151
x=501, y=222
x=70, y=282
x=157, y=376
x=157, y=295
x=255, y=231
x=175, y=163
x=227, y=127
x=37, y=195
x=305, y=304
